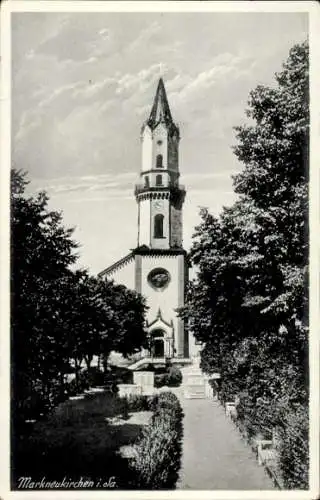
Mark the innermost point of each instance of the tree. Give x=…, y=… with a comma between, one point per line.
x=104, y=317
x=41, y=253
x=58, y=314
x=248, y=304
x=125, y=311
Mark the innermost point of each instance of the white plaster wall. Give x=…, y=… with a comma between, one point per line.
x=194, y=349
x=146, y=150
x=125, y=275
x=144, y=229
x=166, y=300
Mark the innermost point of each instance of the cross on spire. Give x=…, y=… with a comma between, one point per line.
x=161, y=70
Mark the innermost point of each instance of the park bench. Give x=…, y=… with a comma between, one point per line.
x=265, y=452
x=230, y=408
x=268, y=457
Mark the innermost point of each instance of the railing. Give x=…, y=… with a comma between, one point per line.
x=143, y=188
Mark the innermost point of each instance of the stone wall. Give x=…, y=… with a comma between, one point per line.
x=176, y=226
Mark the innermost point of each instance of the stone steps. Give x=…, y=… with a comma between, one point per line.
x=193, y=382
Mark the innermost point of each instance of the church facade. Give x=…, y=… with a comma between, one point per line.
x=158, y=267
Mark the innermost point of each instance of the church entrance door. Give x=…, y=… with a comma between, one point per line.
x=158, y=348
x=157, y=343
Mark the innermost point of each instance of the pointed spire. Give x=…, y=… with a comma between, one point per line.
x=160, y=111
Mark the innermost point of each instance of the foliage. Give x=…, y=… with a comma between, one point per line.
x=172, y=377
x=41, y=253
x=157, y=458
x=138, y=402
x=160, y=380
x=59, y=314
x=294, y=449
x=125, y=311
x=248, y=305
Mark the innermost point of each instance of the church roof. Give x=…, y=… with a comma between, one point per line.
x=160, y=111
x=117, y=265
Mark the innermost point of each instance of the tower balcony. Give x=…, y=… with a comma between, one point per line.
x=143, y=189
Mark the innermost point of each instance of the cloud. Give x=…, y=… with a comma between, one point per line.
x=104, y=32
x=121, y=186
x=121, y=195
x=87, y=183
x=191, y=177
x=144, y=37
x=224, y=69
x=141, y=80
x=58, y=92
x=91, y=88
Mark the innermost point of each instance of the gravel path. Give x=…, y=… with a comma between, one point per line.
x=214, y=455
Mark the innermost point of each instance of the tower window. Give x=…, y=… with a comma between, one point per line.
x=159, y=161
x=158, y=226
x=159, y=180
x=146, y=181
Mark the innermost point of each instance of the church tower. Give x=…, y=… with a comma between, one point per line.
x=161, y=261
x=159, y=195
x=158, y=267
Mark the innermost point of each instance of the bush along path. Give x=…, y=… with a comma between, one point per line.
x=157, y=455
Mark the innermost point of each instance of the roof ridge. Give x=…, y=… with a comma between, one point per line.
x=117, y=264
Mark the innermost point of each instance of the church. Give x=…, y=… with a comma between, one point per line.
x=158, y=267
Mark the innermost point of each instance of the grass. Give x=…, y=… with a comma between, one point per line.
x=76, y=441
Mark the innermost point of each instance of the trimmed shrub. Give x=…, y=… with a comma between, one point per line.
x=160, y=379
x=174, y=377
x=157, y=458
x=137, y=402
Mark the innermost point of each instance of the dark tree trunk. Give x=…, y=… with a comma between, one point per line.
x=88, y=361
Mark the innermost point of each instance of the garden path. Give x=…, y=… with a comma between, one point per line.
x=214, y=455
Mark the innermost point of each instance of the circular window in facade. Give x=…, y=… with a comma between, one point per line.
x=159, y=278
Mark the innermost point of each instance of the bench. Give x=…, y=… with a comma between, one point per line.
x=230, y=408
x=265, y=452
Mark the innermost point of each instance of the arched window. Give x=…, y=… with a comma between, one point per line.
x=159, y=161
x=158, y=180
x=146, y=181
x=158, y=226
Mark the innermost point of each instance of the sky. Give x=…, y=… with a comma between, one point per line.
x=83, y=84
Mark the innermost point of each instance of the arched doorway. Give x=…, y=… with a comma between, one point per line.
x=157, y=343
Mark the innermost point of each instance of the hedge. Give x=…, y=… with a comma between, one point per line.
x=138, y=402
x=157, y=455
x=294, y=449
x=171, y=378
